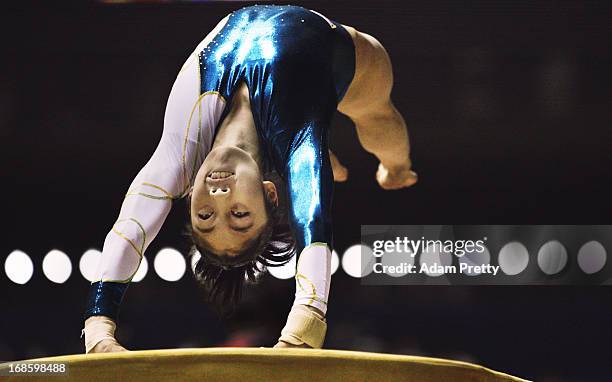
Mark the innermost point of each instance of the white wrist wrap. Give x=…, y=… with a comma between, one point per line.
x=304, y=326
x=98, y=328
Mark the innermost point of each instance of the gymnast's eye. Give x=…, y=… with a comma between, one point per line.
x=240, y=214
x=204, y=215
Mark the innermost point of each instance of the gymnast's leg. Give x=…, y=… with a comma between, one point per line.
x=381, y=129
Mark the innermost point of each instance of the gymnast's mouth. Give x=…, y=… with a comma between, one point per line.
x=218, y=175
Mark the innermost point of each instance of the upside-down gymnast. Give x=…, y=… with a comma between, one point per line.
x=257, y=94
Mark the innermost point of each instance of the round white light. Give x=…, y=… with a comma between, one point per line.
x=141, y=272
x=89, y=264
x=57, y=266
x=169, y=264
x=513, y=258
x=358, y=260
x=592, y=257
x=19, y=267
x=397, y=259
x=435, y=259
x=285, y=271
x=335, y=262
x=475, y=258
x=552, y=257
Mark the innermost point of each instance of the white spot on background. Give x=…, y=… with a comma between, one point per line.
x=19, y=267
x=169, y=264
x=89, y=264
x=552, y=257
x=143, y=268
x=57, y=266
x=513, y=258
x=358, y=260
x=592, y=257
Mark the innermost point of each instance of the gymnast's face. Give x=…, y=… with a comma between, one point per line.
x=227, y=201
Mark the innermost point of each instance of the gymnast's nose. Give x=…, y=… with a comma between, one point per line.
x=219, y=191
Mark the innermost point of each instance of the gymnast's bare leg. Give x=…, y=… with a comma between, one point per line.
x=380, y=127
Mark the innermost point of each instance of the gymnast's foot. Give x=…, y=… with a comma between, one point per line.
x=394, y=179
x=340, y=172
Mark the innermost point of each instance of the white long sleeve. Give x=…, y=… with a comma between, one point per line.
x=189, y=124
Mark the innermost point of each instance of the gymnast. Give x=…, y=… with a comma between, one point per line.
x=257, y=95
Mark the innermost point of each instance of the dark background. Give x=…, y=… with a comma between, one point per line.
x=509, y=109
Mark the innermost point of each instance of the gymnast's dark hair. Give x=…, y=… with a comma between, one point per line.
x=223, y=277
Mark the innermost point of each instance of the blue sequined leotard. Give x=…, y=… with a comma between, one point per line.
x=297, y=65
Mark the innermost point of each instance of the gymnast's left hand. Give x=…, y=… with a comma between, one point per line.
x=108, y=346
x=283, y=344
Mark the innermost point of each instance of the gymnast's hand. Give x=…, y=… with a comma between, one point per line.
x=100, y=330
x=395, y=178
x=108, y=346
x=283, y=344
x=340, y=172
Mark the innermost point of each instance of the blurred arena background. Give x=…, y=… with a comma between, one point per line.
x=509, y=107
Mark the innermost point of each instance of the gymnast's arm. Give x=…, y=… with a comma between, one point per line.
x=144, y=209
x=165, y=177
x=310, y=187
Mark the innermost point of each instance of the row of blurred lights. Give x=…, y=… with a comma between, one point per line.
x=170, y=265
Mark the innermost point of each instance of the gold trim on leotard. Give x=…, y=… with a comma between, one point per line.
x=159, y=188
x=316, y=244
x=332, y=25
x=198, y=139
x=168, y=195
x=148, y=196
x=313, y=296
x=185, y=180
x=299, y=276
x=121, y=234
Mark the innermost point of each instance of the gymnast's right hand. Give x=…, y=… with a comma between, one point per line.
x=108, y=346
